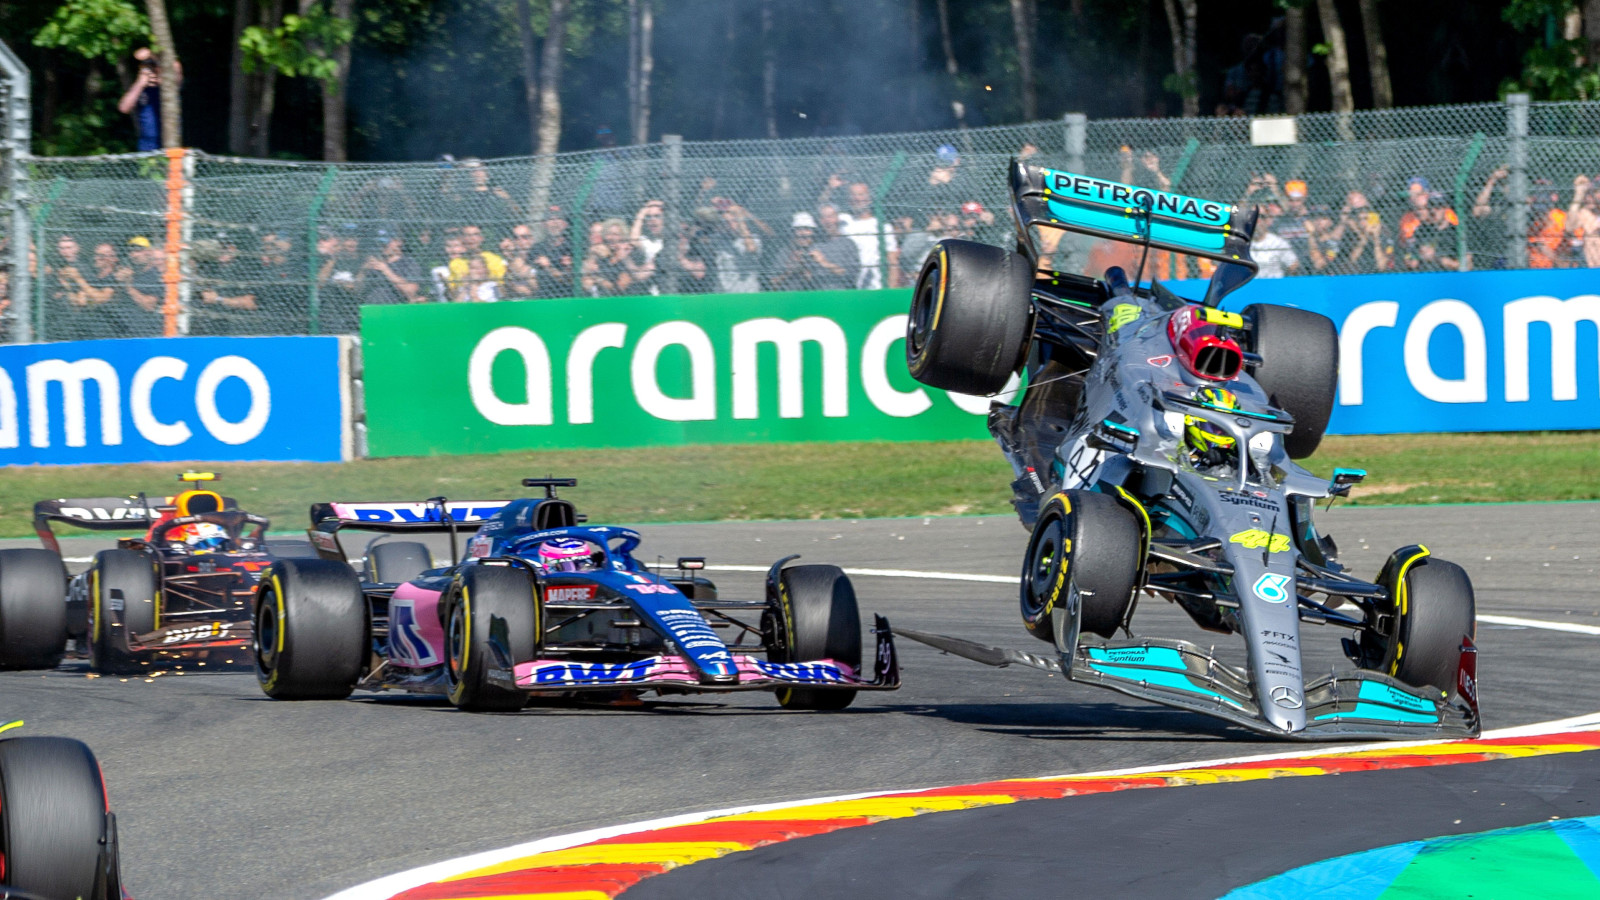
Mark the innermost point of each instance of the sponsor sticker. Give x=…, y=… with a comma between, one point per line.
x=569, y=593
x=1273, y=587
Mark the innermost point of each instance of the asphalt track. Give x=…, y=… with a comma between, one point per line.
x=216, y=786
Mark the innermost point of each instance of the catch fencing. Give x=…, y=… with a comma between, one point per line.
x=189, y=243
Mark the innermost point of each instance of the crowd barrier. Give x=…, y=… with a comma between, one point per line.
x=176, y=399
x=1472, y=351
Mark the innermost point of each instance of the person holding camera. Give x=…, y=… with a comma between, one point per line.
x=143, y=100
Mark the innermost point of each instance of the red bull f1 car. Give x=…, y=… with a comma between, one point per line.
x=183, y=589
x=542, y=603
x=1156, y=451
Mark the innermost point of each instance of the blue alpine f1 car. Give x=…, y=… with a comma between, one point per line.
x=543, y=603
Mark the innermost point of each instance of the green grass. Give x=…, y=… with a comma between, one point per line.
x=811, y=481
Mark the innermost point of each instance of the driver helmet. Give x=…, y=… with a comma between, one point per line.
x=205, y=537
x=1209, y=444
x=565, y=555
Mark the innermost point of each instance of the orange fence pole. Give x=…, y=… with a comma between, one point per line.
x=174, y=242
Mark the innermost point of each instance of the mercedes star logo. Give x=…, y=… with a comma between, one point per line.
x=1286, y=697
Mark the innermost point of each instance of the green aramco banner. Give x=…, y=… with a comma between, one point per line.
x=643, y=371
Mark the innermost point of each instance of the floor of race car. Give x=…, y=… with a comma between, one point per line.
x=214, y=784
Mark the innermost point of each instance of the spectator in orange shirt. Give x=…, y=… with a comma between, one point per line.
x=1546, y=239
x=1583, y=221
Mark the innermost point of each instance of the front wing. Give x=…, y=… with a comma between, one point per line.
x=675, y=673
x=1356, y=704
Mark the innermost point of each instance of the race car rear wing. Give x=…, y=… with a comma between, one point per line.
x=1052, y=198
x=393, y=517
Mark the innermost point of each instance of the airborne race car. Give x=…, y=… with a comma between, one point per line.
x=182, y=590
x=545, y=605
x=1154, y=449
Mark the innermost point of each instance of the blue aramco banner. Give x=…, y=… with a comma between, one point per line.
x=1456, y=351
x=173, y=399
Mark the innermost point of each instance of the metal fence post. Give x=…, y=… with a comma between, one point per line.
x=15, y=151
x=1517, y=184
x=580, y=225
x=314, y=305
x=674, y=145
x=1460, y=196
x=1075, y=127
x=41, y=330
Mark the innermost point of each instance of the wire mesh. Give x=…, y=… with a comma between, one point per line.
x=272, y=247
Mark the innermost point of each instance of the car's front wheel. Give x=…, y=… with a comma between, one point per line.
x=56, y=838
x=1433, y=609
x=971, y=317
x=33, y=609
x=1084, y=559
x=487, y=604
x=817, y=614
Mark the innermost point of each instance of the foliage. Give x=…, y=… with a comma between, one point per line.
x=301, y=47
x=96, y=29
x=1552, y=69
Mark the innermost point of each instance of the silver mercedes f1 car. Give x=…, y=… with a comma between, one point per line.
x=1155, y=448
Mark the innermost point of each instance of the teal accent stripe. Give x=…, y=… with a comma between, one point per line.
x=1205, y=240
x=1171, y=678
x=1380, y=714
x=1583, y=836
x=1359, y=876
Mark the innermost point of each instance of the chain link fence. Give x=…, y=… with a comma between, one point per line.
x=188, y=243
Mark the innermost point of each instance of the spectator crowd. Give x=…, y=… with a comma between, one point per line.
x=474, y=241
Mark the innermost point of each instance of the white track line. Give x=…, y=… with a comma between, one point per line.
x=1012, y=580
x=389, y=885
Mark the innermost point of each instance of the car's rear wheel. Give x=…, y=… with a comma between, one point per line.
x=1084, y=543
x=1434, y=608
x=123, y=588
x=818, y=616
x=311, y=635
x=56, y=839
x=487, y=604
x=1299, y=367
x=971, y=317
x=33, y=609
x=396, y=562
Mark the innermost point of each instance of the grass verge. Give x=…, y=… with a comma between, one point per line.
x=812, y=481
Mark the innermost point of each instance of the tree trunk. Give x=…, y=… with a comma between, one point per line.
x=633, y=68
x=1023, y=31
x=769, y=71
x=1294, y=61
x=555, y=47
x=957, y=108
x=171, y=100
x=335, y=92
x=647, y=68
x=1338, y=57
x=265, y=84
x=1378, y=54
x=1185, y=41
x=239, y=82
x=1591, y=28
x=530, y=69
x=1141, y=83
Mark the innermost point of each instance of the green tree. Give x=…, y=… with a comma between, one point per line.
x=1563, y=65
x=100, y=31
x=313, y=43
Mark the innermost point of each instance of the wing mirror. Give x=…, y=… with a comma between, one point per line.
x=1344, y=479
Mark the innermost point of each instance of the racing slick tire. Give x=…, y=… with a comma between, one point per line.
x=819, y=618
x=397, y=562
x=1434, y=609
x=311, y=635
x=480, y=596
x=1087, y=541
x=33, y=609
x=56, y=836
x=122, y=597
x=971, y=317
x=1299, y=352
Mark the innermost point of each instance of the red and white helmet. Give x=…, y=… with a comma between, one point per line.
x=564, y=555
